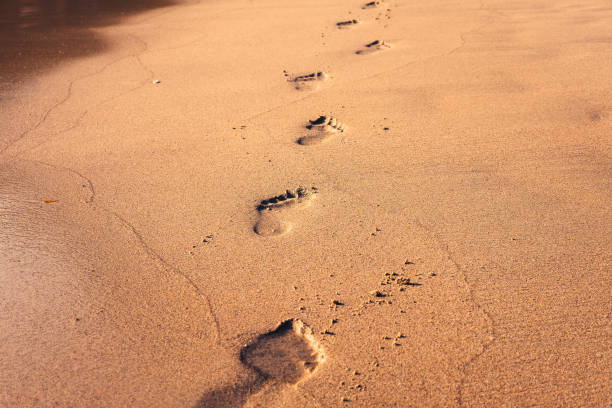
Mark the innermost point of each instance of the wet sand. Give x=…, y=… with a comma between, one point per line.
x=235, y=203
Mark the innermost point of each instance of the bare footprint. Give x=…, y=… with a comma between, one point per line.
x=320, y=130
x=371, y=4
x=309, y=81
x=273, y=211
x=284, y=356
x=347, y=23
x=288, y=354
x=374, y=46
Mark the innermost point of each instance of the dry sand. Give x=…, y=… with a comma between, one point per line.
x=451, y=245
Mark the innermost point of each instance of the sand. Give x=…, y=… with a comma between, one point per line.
x=180, y=229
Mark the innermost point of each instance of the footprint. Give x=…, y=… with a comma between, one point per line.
x=272, y=211
x=309, y=81
x=320, y=130
x=284, y=356
x=347, y=23
x=371, y=4
x=374, y=46
x=287, y=354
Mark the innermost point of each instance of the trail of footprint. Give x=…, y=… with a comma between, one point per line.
x=374, y=46
x=320, y=130
x=347, y=23
x=273, y=211
x=308, y=81
x=284, y=356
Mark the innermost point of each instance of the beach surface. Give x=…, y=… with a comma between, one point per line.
x=312, y=204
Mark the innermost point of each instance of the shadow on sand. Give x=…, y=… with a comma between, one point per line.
x=39, y=34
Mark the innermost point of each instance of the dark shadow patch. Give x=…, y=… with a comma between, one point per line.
x=36, y=35
x=233, y=395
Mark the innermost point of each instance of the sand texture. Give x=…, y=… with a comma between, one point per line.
x=314, y=204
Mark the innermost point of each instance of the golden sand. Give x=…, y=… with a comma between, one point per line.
x=457, y=252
